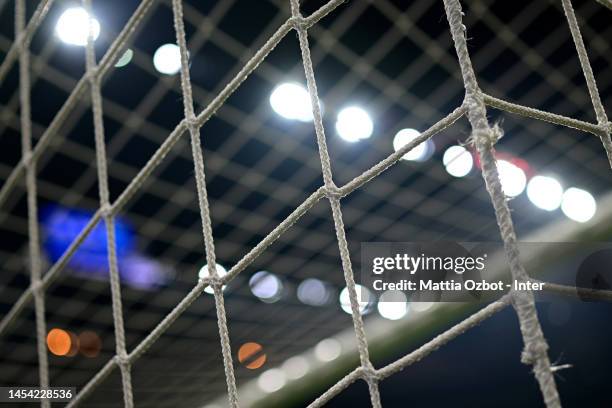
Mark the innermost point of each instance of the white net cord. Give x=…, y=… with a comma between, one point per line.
x=600, y=112
x=333, y=194
x=198, y=160
x=109, y=218
x=30, y=178
x=484, y=137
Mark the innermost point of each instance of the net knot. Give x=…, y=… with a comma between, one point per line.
x=106, y=210
x=122, y=359
x=214, y=282
x=204, y=282
x=192, y=122
x=27, y=158
x=298, y=22
x=37, y=287
x=332, y=191
x=369, y=373
x=92, y=74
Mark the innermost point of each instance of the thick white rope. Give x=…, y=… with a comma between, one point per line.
x=600, y=112
x=541, y=115
x=109, y=218
x=396, y=156
x=198, y=161
x=484, y=137
x=33, y=233
x=333, y=194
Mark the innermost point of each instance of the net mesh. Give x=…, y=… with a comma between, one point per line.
x=483, y=137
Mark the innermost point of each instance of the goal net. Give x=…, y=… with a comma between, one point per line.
x=483, y=137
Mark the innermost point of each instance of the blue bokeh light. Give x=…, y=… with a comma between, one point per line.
x=62, y=225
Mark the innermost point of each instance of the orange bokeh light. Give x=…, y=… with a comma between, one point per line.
x=59, y=342
x=251, y=355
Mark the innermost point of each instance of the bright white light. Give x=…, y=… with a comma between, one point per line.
x=313, y=292
x=73, y=26
x=393, y=305
x=545, y=192
x=458, y=161
x=419, y=153
x=353, y=124
x=266, y=286
x=125, y=58
x=364, y=297
x=167, y=59
x=295, y=367
x=272, y=380
x=328, y=350
x=203, y=273
x=578, y=205
x=292, y=101
x=512, y=178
